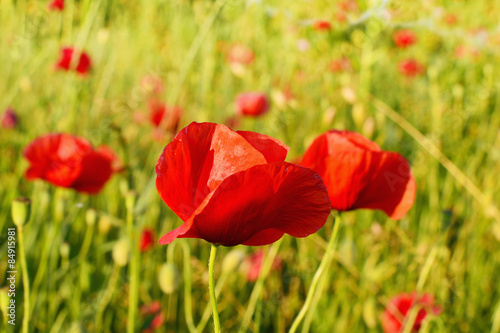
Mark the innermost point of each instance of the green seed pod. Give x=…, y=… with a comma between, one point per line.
x=232, y=261
x=90, y=217
x=21, y=211
x=121, y=252
x=168, y=278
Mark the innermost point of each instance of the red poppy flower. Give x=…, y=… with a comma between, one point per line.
x=147, y=240
x=56, y=5
x=410, y=67
x=9, y=119
x=154, y=318
x=82, y=67
x=358, y=174
x=164, y=116
x=322, y=25
x=399, y=308
x=233, y=188
x=252, y=104
x=340, y=65
x=240, y=54
x=253, y=265
x=450, y=19
x=69, y=161
x=404, y=38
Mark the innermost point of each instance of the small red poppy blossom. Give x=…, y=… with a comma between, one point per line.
x=359, y=175
x=164, y=116
x=69, y=161
x=147, y=239
x=404, y=38
x=233, y=187
x=399, y=309
x=410, y=67
x=240, y=54
x=56, y=5
x=9, y=119
x=322, y=25
x=340, y=65
x=450, y=19
x=348, y=5
x=253, y=265
x=154, y=318
x=83, y=65
x=252, y=104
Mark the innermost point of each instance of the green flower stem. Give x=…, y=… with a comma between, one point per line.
x=106, y=297
x=259, y=285
x=206, y=313
x=133, y=298
x=26, y=281
x=320, y=273
x=211, y=286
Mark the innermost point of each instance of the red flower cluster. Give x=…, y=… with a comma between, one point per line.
x=410, y=67
x=233, y=187
x=404, y=38
x=399, y=308
x=252, y=104
x=69, y=161
x=83, y=65
x=358, y=174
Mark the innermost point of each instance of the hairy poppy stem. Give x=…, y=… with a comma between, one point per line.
x=26, y=281
x=320, y=273
x=134, y=264
x=211, y=286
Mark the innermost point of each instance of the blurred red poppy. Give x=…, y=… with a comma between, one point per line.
x=410, y=67
x=399, y=307
x=358, y=174
x=252, y=104
x=233, y=188
x=69, y=161
x=253, y=265
x=147, y=239
x=154, y=318
x=340, y=65
x=404, y=38
x=56, y=5
x=9, y=119
x=83, y=65
x=240, y=54
x=164, y=116
x=322, y=25
x=450, y=19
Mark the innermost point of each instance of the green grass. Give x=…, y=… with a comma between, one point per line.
x=455, y=105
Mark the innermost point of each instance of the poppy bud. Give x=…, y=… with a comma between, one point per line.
x=104, y=224
x=232, y=261
x=9, y=119
x=168, y=278
x=21, y=211
x=64, y=250
x=252, y=104
x=121, y=252
x=130, y=200
x=90, y=217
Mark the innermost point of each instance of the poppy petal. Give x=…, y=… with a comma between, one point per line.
x=95, y=171
x=272, y=149
x=280, y=196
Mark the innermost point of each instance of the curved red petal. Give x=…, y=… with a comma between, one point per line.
x=199, y=158
x=264, y=237
x=95, y=171
x=273, y=149
x=280, y=196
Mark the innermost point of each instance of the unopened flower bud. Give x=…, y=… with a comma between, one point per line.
x=121, y=252
x=21, y=211
x=90, y=217
x=104, y=224
x=64, y=250
x=168, y=278
x=232, y=261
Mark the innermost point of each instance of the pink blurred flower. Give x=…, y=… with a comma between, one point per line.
x=252, y=104
x=399, y=308
x=410, y=67
x=404, y=38
x=253, y=264
x=240, y=54
x=348, y=6
x=340, y=65
x=9, y=119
